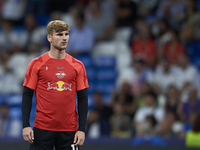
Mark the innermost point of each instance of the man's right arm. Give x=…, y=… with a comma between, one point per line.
x=26, y=105
x=26, y=109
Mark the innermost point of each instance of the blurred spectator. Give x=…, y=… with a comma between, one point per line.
x=165, y=75
x=99, y=21
x=125, y=97
x=8, y=126
x=13, y=10
x=173, y=11
x=187, y=75
x=120, y=122
x=8, y=35
x=102, y=108
x=98, y=118
x=147, y=128
x=145, y=88
x=172, y=48
x=8, y=82
x=193, y=136
x=165, y=127
x=136, y=76
x=81, y=36
x=193, y=103
x=173, y=99
x=143, y=46
x=149, y=108
x=146, y=7
x=94, y=127
x=190, y=29
x=126, y=13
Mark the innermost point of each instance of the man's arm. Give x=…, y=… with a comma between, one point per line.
x=26, y=109
x=82, y=112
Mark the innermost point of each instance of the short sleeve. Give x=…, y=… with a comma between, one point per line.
x=81, y=78
x=31, y=76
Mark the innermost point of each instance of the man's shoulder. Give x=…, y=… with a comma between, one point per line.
x=40, y=59
x=73, y=61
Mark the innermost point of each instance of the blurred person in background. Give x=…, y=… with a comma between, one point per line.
x=187, y=107
x=165, y=126
x=147, y=128
x=145, y=88
x=13, y=10
x=9, y=35
x=193, y=136
x=143, y=45
x=146, y=8
x=149, y=108
x=164, y=75
x=172, y=99
x=125, y=13
x=120, y=122
x=125, y=97
x=78, y=43
x=97, y=125
x=172, y=48
x=188, y=75
x=173, y=11
x=136, y=75
x=104, y=110
x=100, y=21
x=9, y=127
x=190, y=29
x=8, y=81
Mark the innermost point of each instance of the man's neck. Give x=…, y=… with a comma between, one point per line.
x=56, y=54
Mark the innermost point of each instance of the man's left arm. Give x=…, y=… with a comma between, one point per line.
x=79, y=137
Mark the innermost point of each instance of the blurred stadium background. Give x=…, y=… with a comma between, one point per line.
x=142, y=62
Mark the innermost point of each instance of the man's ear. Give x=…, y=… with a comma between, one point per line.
x=49, y=38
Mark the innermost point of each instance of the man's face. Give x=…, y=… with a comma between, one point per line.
x=59, y=40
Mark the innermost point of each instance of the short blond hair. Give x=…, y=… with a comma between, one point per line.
x=57, y=26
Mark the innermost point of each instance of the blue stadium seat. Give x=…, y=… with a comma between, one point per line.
x=19, y=29
x=91, y=88
x=14, y=99
x=196, y=61
x=105, y=87
x=106, y=74
x=91, y=74
x=42, y=19
x=15, y=112
x=87, y=60
x=105, y=61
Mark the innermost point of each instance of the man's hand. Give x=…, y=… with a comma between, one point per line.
x=28, y=134
x=79, y=138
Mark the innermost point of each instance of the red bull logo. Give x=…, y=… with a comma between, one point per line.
x=60, y=74
x=60, y=86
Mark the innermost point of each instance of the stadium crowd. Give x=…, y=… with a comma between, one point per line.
x=154, y=44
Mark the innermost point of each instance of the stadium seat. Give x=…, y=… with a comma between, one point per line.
x=42, y=19
x=105, y=87
x=106, y=74
x=86, y=60
x=91, y=88
x=105, y=61
x=91, y=74
x=15, y=112
x=14, y=99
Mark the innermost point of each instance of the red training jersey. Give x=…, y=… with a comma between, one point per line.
x=56, y=82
